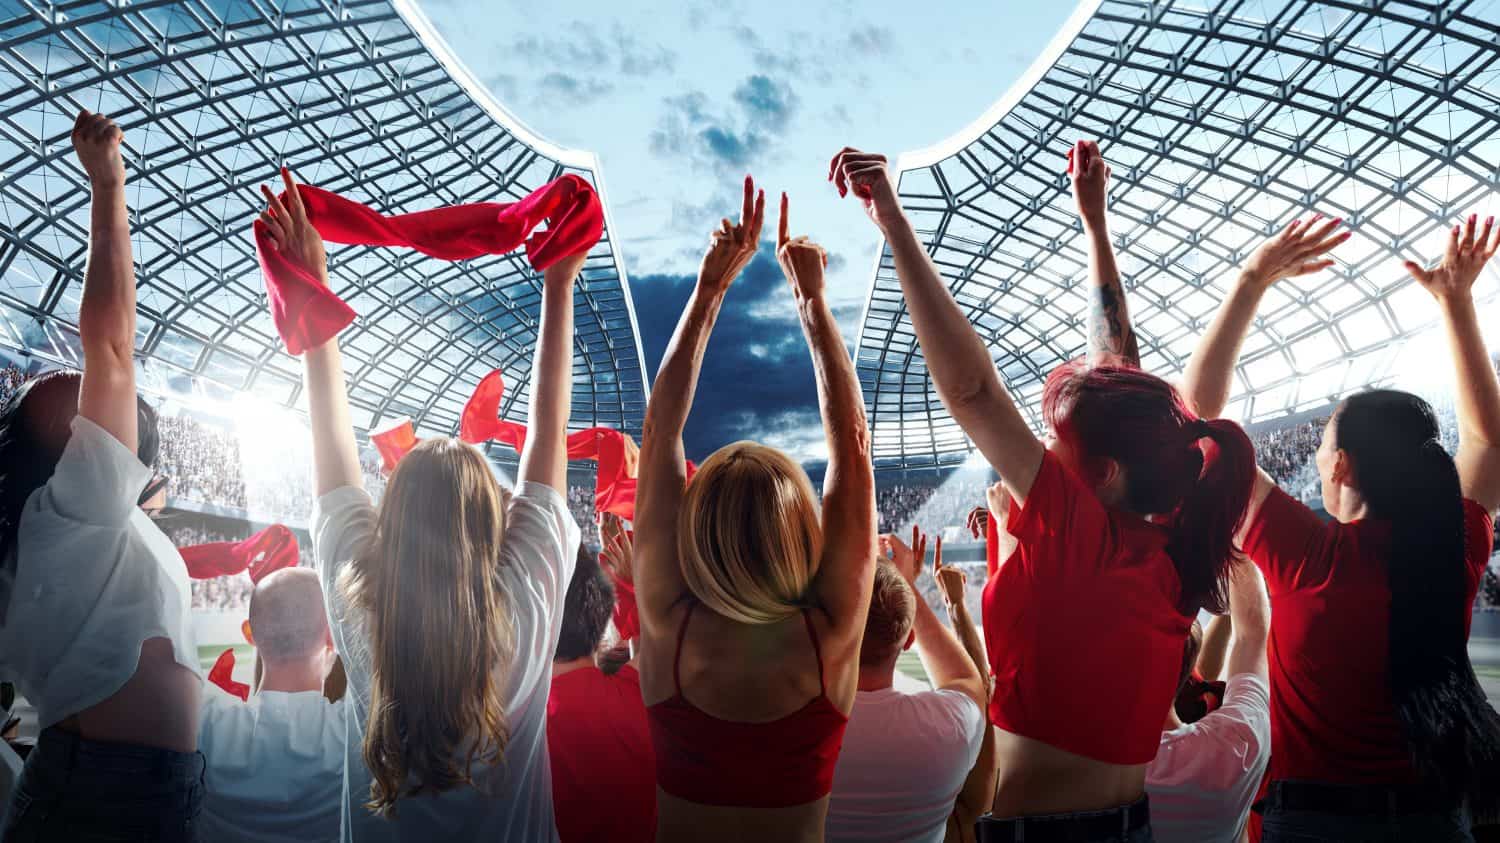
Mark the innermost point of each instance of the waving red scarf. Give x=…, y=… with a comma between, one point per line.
x=393, y=442
x=269, y=550
x=222, y=674
x=307, y=313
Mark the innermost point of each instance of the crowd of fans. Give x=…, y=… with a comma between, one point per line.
x=11, y=378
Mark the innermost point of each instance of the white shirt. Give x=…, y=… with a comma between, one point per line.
x=1206, y=774
x=536, y=562
x=94, y=580
x=905, y=757
x=274, y=767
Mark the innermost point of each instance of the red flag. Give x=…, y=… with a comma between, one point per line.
x=222, y=674
x=393, y=442
x=269, y=550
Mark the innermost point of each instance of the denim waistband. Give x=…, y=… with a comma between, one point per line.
x=60, y=750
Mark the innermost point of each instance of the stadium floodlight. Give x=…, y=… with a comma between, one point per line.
x=361, y=97
x=1223, y=120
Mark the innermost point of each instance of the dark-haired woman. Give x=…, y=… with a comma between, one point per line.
x=94, y=625
x=1123, y=525
x=1379, y=728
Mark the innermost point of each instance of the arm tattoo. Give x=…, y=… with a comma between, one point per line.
x=1110, y=332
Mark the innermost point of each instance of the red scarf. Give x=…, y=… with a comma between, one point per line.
x=307, y=313
x=222, y=674
x=269, y=550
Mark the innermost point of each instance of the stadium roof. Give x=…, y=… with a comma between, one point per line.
x=358, y=96
x=1223, y=120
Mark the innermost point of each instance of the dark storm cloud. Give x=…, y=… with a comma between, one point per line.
x=725, y=140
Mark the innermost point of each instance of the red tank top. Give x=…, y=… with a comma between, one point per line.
x=778, y=764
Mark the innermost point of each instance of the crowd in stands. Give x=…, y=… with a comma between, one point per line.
x=11, y=378
x=455, y=689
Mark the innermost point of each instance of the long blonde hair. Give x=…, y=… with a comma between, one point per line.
x=749, y=539
x=439, y=623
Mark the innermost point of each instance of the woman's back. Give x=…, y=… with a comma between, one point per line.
x=1333, y=717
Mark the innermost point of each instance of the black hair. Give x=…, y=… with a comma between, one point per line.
x=1408, y=480
x=586, y=609
x=35, y=425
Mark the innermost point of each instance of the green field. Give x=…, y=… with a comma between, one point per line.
x=244, y=657
x=909, y=664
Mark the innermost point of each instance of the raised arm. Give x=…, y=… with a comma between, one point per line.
x=1250, y=619
x=335, y=455
x=978, y=791
x=544, y=458
x=1297, y=250
x=944, y=658
x=1111, y=337
x=106, y=315
x=1215, y=646
x=1476, y=394
x=846, y=572
x=957, y=360
x=658, y=574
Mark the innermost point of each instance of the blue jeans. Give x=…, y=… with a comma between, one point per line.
x=1306, y=823
x=80, y=790
x=1126, y=824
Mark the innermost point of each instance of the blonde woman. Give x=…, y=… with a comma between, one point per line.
x=445, y=601
x=752, y=606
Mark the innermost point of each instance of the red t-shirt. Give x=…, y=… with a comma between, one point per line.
x=1331, y=714
x=603, y=767
x=1081, y=623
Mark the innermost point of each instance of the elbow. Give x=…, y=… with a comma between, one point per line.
x=968, y=397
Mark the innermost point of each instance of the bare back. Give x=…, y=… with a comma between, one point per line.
x=1036, y=778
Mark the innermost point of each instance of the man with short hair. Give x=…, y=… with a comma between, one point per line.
x=603, y=765
x=906, y=755
x=275, y=764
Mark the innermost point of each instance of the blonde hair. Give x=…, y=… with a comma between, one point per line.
x=438, y=621
x=749, y=539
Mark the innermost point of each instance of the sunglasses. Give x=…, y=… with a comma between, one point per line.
x=158, y=482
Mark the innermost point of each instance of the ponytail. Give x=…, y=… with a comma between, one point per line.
x=1408, y=481
x=1140, y=421
x=1202, y=534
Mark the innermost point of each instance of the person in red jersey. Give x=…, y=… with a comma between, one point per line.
x=1123, y=521
x=597, y=739
x=752, y=601
x=1379, y=728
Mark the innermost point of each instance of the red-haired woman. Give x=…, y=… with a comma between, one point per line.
x=1124, y=523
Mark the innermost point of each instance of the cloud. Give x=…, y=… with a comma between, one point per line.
x=757, y=380
x=575, y=90
x=872, y=41
x=592, y=59
x=725, y=140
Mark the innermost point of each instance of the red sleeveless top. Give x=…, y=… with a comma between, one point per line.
x=711, y=761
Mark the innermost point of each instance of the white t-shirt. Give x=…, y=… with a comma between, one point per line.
x=1206, y=774
x=274, y=767
x=536, y=562
x=94, y=580
x=905, y=757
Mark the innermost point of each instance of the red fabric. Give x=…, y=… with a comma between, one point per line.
x=393, y=442
x=775, y=764
x=1088, y=599
x=614, y=486
x=307, y=314
x=626, y=617
x=600, y=748
x=1331, y=713
x=222, y=674
x=269, y=550
x=991, y=544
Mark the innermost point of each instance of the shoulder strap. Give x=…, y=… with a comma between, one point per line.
x=812, y=635
x=681, y=635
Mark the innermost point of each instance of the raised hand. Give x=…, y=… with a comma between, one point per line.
x=1090, y=177
x=1297, y=250
x=906, y=558
x=290, y=231
x=1467, y=253
x=96, y=140
x=866, y=174
x=998, y=501
x=617, y=556
x=977, y=521
x=802, y=261
x=951, y=581
x=732, y=246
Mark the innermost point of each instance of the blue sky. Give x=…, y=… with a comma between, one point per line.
x=680, y=100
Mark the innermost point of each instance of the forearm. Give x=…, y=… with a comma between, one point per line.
x=944, y=659
x=1216, y=638
x=968, y=636
x=545, y=457
x=1210, y=371
x=335, y=456
x=1112, y=338
x=839, y=398
x=1250, y=613
x=1477, y=393
x=106, y=314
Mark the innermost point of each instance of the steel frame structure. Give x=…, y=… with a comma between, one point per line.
x=1223, y=120
x=359, y=96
